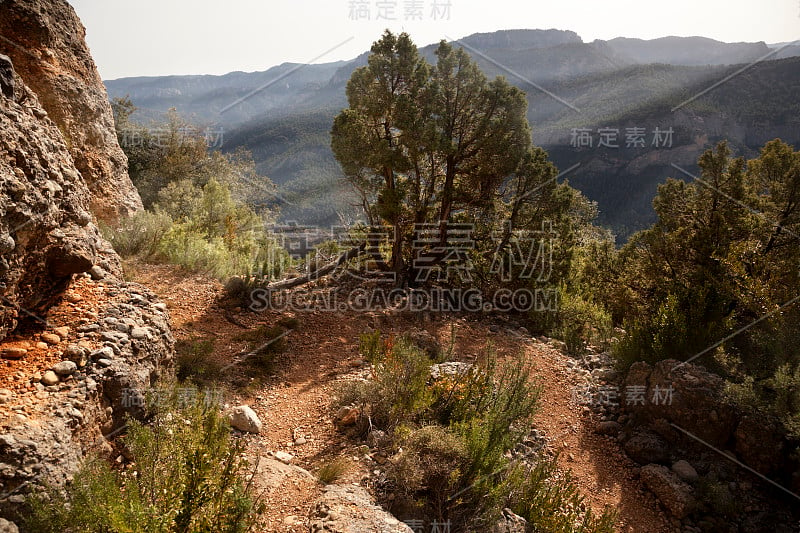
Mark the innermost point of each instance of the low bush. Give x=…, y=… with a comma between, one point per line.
x=139, y=235
x=194, y=359
x=187, y=476
x=550, y=501
x=452, y=436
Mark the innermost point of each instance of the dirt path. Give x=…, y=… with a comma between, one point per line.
x=294, y=403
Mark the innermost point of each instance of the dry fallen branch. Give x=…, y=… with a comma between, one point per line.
x=322, y=271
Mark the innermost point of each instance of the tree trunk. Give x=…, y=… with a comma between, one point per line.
x=327, y=269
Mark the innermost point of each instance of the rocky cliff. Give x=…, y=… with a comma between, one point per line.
x=78, y=345
x=45, y=41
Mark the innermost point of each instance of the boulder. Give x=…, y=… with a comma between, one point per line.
x=645, y=447
x=685, y=471
x=676, y=496
x=245, y=419
x=686, y=395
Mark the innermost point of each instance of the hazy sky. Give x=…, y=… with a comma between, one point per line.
x=159, y=37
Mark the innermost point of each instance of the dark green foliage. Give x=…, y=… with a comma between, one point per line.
x=195, y=361
x=452, y=436
x=720, y=264
x=187, y=476
x=432, y=144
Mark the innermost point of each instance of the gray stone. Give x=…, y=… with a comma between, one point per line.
x=65, y=368
x=245, y=419
x=115, y=337
x=97, y=273
x=103, y=353
x=647, y=448
x=453, y=369
x=7, y=243
x=684, y=470
x=285, y=458
x=676, y=496
x=140, y=333
x=8, y=527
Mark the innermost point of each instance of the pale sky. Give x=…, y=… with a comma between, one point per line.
x=162, y=37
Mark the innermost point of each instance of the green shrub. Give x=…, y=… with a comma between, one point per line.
x=550, y=500
x=138, y=235
x=433, y=462
x=194, y=360
x=401, y=393
x=187, y=475
x=370, y=346
x=453, y=436
x=581, y=322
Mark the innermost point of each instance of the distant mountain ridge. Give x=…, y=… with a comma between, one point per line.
x=284, y=115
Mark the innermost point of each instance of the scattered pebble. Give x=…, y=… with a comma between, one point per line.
x=51, y=338
x=49, y=378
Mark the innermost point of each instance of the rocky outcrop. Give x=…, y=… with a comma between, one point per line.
x=686, y=395
x=104, y=376
x=46, y=230
x=350, y=509
x=45, y=41
x=680, y=415
x=80, y=347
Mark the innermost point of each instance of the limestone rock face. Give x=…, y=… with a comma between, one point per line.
x=46, y=230
x=60, y=164
x=45, y=41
